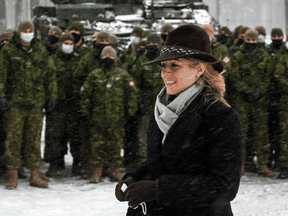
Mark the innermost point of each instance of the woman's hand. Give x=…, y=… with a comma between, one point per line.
x=143, y=191
x=118, y=192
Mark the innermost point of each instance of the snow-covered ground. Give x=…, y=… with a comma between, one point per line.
x=71, y=196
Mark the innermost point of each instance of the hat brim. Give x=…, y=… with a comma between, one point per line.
x=217, y=65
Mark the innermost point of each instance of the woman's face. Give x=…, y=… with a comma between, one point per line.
x=180, y=74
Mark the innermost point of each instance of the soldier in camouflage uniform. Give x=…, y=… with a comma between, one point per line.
x=251, y=99
x=148, y=82
x=103, y=40
x=278, y=106
x=223, y=36
x=5, y=38
x=238, y=41
x=30, y=80
x=53, y=37
x=108, y=99
x=164, y=32
x=262, y=35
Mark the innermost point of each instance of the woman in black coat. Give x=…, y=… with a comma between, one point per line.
x=194, y=140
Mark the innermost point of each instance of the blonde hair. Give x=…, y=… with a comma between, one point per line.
x=214, y=84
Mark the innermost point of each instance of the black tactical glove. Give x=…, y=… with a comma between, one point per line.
x=118, y=191
x=51, y=105
x=142, y=191
x=4, y=104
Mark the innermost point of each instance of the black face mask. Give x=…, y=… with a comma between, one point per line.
x=240, y=41
x=108, y=62
x=222, y=38
x=52, y=39
x=77, y=37
x=94, y=44
x=277, y=43
x=140, y=52
x=164, y=37
x=250, y=46
x=152, y=49
x=100, y=47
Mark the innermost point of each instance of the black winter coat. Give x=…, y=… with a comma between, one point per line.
x=198, y=167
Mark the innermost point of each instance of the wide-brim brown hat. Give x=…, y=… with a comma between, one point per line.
x=188, y=41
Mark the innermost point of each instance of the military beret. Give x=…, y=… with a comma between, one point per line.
x=56, y=29
x=251, y=34
x=108, y=50
x=209, y=29
x=138, y=31
x=225, y=29
x=167, y=28
x=65, y=37
x=77, y=26
x=101, y=36
x=243, y=30
x=261, y=30
x=154, y=38
x=23, y=26
x=276, y=32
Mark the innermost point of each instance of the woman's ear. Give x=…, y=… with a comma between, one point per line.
x=201, y=67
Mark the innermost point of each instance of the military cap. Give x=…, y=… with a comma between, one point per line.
x=209, y=29
x=56, y=29
x=225, y=29
x=154, y=38
x=251, y=34
x=138, y=31
x=101, y=36
x=236, y=31
x=77, y=26
x=66, y=36
x=113, y=39
x=108, y=50
x=6, y=35
x=243, y=29
x=276, y=32
x=261, y=30
x=167, y=28
x=23, y=26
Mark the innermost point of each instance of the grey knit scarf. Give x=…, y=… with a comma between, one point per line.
x=166, y=115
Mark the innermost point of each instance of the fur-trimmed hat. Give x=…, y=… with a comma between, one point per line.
x=167, y=28
x=243, y=29
x=101, y=36
x=108, y=50
x=154, y=38
x=66, y=36
x=77, y=26
x=138, y=31
x=276, y=32
x=113, y=39
x=209, y=29
x=225, y=29
x=57, y=30
x=261, y=30
x=251, y=34
x=23, y=26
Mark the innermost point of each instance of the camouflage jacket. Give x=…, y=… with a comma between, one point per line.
x=218, y=50
x=108, y=96
x=148, y=80
x=250, y=78
x=30, y=75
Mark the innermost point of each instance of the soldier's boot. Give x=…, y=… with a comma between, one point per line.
x=52, y=170
x=265, y=171
x=283, y=173
x=42, y=176
x=21, y=171
x=96, y=175
x=87, y=171
x=13, y=178
x=115, y=174
x=36, y=180
x=76, y=168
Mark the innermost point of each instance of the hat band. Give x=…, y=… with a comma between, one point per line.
x=180, y=50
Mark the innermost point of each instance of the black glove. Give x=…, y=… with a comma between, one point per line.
x=142, y=191
x=4, y=104
x=51, y=105
x=87, y=119
x=118, y=192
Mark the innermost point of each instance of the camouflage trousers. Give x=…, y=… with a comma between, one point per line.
x=63, y=127
x=106, y=144
x=283, y=155
x=23, y=127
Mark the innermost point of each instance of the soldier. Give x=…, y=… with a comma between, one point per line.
x=107, y=100
x=30, y=80
x=223, y=35
x=141, y=48
x=277, y=51
x=239, y=41
x=148, y=83
x=5, y=38
x=251, y=99
x=103, y=40
x=165, y=30
x=262, y=35
x=53, y=37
